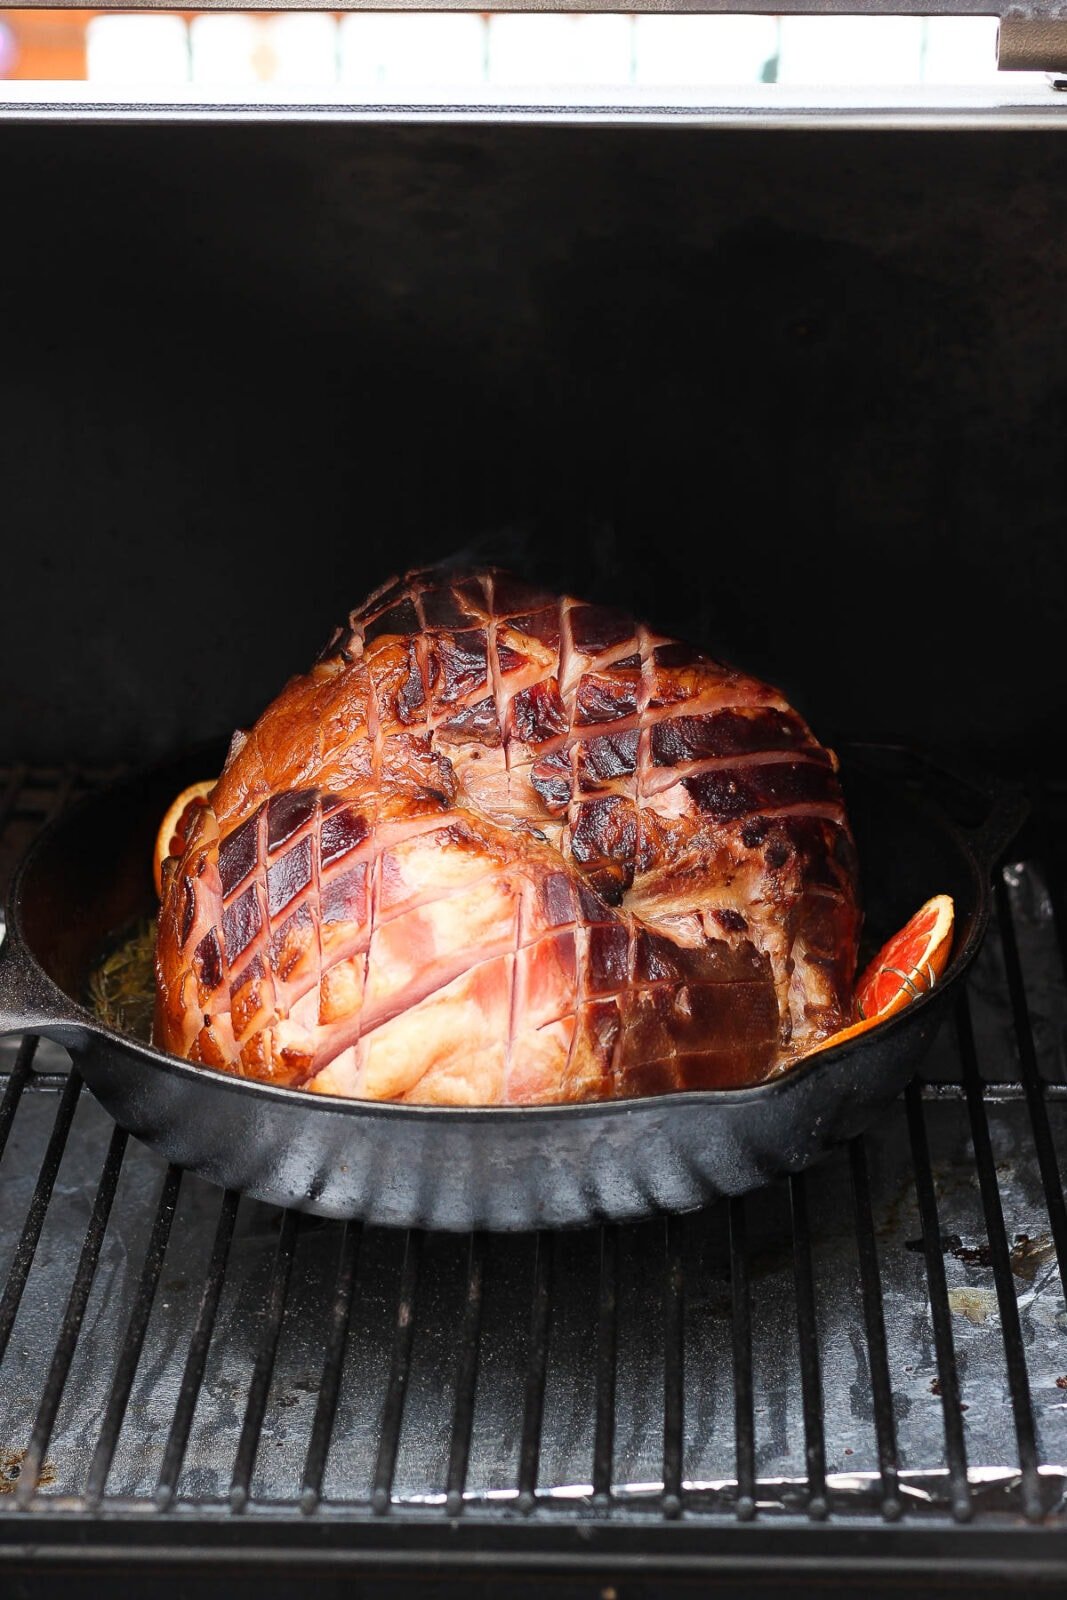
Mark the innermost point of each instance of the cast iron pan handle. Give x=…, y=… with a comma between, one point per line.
x=28, y=1002
x=987, y=810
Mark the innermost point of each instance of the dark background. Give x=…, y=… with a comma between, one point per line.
x=802, y=396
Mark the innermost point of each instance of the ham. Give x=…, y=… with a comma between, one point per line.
x=501, y=847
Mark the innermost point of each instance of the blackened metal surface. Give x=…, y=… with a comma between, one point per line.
x=801, y=396
x=512, y=1340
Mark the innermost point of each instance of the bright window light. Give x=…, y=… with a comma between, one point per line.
x=230, y=51
x=681, y=51
x=411, y=51
x=305, y=46
x=528, y=50
x=960, y=50
x=487, y=59
x=143, y=49
x=850, y=50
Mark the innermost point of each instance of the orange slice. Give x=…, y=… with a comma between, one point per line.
x=910, y=963
x=907, y=966
x=175, y=827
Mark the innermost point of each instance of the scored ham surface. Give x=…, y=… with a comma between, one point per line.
x=501, y=847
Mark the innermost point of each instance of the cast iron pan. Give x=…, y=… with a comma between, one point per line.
x=87, y=875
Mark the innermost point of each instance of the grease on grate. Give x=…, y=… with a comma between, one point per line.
x=11, y=1467
x=122, y=987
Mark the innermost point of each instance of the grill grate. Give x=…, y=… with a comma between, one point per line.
x=882, y=1340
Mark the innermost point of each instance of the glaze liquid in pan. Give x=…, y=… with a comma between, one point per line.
x=492, y=1167
x=121, y=988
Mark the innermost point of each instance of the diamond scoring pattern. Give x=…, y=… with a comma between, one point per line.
x=543, y=853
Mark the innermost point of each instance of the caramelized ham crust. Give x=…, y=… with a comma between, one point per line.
x=499, y=847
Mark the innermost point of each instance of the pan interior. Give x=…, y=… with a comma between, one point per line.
x=88, y=877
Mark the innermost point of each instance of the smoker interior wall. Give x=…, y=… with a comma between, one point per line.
x=800, y=395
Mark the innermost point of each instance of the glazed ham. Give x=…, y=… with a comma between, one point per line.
x=499, y=847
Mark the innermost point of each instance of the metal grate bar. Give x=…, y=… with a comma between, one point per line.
x=874, y=1317
x=87, y=1423
x=606, y=1340
x=948, y=1376
x=130, y=1355
x=70, y=1328
x=1014, y=1354
x=997, y=1091
x=330, y=1386
x=534, y=1402
x=399, y=1370
x=26, y=1248
x=17, y=1080
x=741, y=1330
x=195, y=1361
x=1032, y=1084
x=673, y=1369
x=808, y=1336
x=258, y=1389
x=466, y=1379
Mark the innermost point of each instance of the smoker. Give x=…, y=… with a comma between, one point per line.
x=787, y=375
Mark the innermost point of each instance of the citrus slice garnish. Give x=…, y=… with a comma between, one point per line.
x=175, y=828
x=908, y=965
